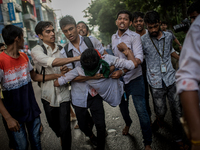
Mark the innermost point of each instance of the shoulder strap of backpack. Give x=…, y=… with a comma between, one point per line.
x=43, y=69
x=69, y=53
x=59, y=47
x=88, y=42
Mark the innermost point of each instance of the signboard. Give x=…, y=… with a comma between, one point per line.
x=20, y=24
x=11, y=11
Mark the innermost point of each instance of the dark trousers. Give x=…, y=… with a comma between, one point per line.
x=136, y=88
x=160, y=107
x=98, y=117
x=144, y=72
x=59, y=121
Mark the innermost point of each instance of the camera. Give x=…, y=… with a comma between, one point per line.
x=183, y=26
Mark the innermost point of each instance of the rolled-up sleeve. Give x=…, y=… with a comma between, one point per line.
x=137, y=47
x=39, y=57
x=188, y=75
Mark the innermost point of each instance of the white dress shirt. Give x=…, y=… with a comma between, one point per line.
x=133, y=41
x=111, y=90
x=54, y=95
x=79, y=90
x=188, y=75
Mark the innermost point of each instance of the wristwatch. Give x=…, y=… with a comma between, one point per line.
x=123, y=73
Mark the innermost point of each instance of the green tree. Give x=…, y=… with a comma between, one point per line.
x=102, y=13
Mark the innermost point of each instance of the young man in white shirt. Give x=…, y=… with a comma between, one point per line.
x=187, y=77
x=133, y=79
x=83, y=95
x=56, y=100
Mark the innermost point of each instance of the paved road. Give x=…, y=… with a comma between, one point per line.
x=162, y=140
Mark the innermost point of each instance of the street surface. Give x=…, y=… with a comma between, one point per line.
x=162, y=139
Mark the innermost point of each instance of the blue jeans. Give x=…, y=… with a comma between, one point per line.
x=136, y=88
x=33, y=127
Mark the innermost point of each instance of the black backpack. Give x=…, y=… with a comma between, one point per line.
x=43, y=68
x=70, y=54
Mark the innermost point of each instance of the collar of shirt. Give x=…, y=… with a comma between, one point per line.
x=71, y=46
x=162, y=37
x=50, y=49
x=126, y=32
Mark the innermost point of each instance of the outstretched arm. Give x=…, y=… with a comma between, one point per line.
x=39, y=77
x=63, y=61
x=86, y=78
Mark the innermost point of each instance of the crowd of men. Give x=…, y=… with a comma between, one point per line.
x=141, y=63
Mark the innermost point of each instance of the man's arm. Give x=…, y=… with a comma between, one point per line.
x=39, y=77
x=190, y=103
x=130, y=56
x=39, y=57
x=128, y=53
x=86, y=78
x=63, y=61
x=81, y=79
x=177, y=42
x=13, y=124
x=175, y=55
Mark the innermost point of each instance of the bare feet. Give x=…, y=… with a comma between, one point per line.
x=76, y=126
x=41, y=129
x=148, y=147
x=125, y=130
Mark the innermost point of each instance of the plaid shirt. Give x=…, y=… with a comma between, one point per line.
x=154, y=60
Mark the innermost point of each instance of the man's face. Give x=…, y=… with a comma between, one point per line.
x=153, y=29
x=123, y=22
x=2, y=48
x=138, y=24
x=193, y=16
x=163, y=27
x=48, y=35
x=82, y=29
x=70, y=32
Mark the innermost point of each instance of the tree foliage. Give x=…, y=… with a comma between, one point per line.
x=102, y=13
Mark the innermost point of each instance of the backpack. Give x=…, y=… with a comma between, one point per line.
x=43, y=68
x=69, y=52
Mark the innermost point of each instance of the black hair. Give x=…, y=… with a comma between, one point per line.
x=152, y=17
x=137, y=14
x=125, y=12
x=40, y=27
x=194, y=7
x=83, y=23
x=10, y=32
x=66, y=21
x=2, y=44
x=163, y=22
x=89, y=59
